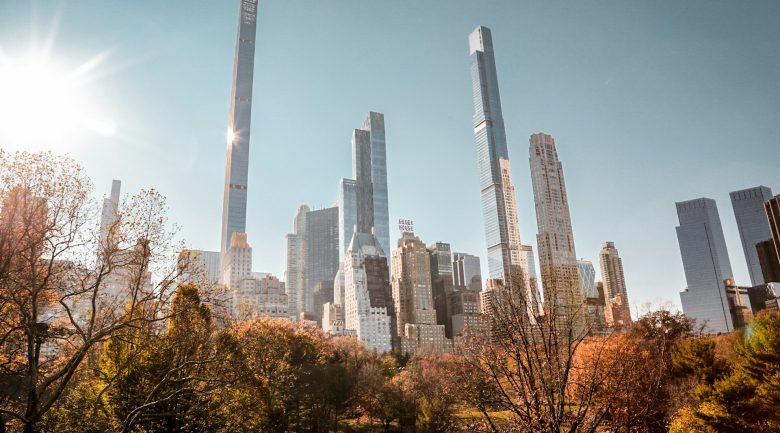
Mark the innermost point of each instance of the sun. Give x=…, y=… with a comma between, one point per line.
x=44, y=104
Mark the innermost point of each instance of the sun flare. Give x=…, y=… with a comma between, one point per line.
x=42, y=103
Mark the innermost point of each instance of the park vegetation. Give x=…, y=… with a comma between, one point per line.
x=98, y=335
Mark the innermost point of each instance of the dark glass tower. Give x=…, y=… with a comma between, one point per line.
x=237, y=166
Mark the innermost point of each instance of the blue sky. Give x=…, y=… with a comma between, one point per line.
x=649, y=102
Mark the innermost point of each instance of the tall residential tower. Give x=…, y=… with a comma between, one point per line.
x=555, y=241
x=237, y=167
x=502, y=230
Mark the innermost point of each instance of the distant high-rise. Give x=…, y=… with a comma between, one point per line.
x=347, y=213
x=614, y=280
x=502, y=230
x=110, y=208
x=200, y=266
x=587, y=275
x=237, y=167
x=375, y=125
x=753, y=227
x=413, y=296
x=593, y=295
x=295, y=264
x=706, y=263
x=466, y=271
x=555, y=241
x=259, y=297
x=322, y=254
x=368, y=301
x=442, y=283
x=237, y=262
x=363, y=200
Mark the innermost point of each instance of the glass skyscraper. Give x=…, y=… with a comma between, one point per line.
x=347, y=214
x=322, y=253
x=753, y=225
x=502, y=231
x=706, y=263
x=375, y=125
x=237, y=167
x=363, y=199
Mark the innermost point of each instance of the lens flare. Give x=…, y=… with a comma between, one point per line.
x=42, y=103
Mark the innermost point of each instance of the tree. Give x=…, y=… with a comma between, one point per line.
x=528, y=367
x=746, y=399
x=65, y=288
x=428, y=381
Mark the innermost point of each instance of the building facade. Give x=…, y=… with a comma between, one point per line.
x=347, y=213
x=442, y=283
x=706, y=264
x=769, y=260
x=748, y=205
x=368, y=302
x=259, y=297
x=555, y=239
x=772, y=252
x=466, y=271
x=322, y=255
x=587, y=276
x=200, y=266
x=295, y=264
x=413, y=297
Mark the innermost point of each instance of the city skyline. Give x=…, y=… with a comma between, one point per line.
x=268, y=241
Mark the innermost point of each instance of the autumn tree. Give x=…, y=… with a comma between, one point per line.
x=528, y=367
x=65, y=288
x=429, y=383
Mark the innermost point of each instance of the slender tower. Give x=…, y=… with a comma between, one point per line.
x=557, y=256
x=237, y=167
x=502, y=230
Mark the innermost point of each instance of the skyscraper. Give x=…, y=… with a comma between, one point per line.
x=375, y=125
x=413, y=296
x=587, y=275
x=502, y=230
x=347, y=213
x=466, y=271
x=368, y=302
x=753, y=227
x=592, y=295
x=706, y=263
x=110, y=208
x=200, y=266
x=295, y=264
x=614, y=281
x=442, y=283
x=237, y=167
x=322, y=254
x=555, y=241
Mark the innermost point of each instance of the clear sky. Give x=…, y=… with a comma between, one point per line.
x=649, y=102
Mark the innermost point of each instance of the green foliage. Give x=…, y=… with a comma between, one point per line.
x=696, y=357
x=746, y=398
